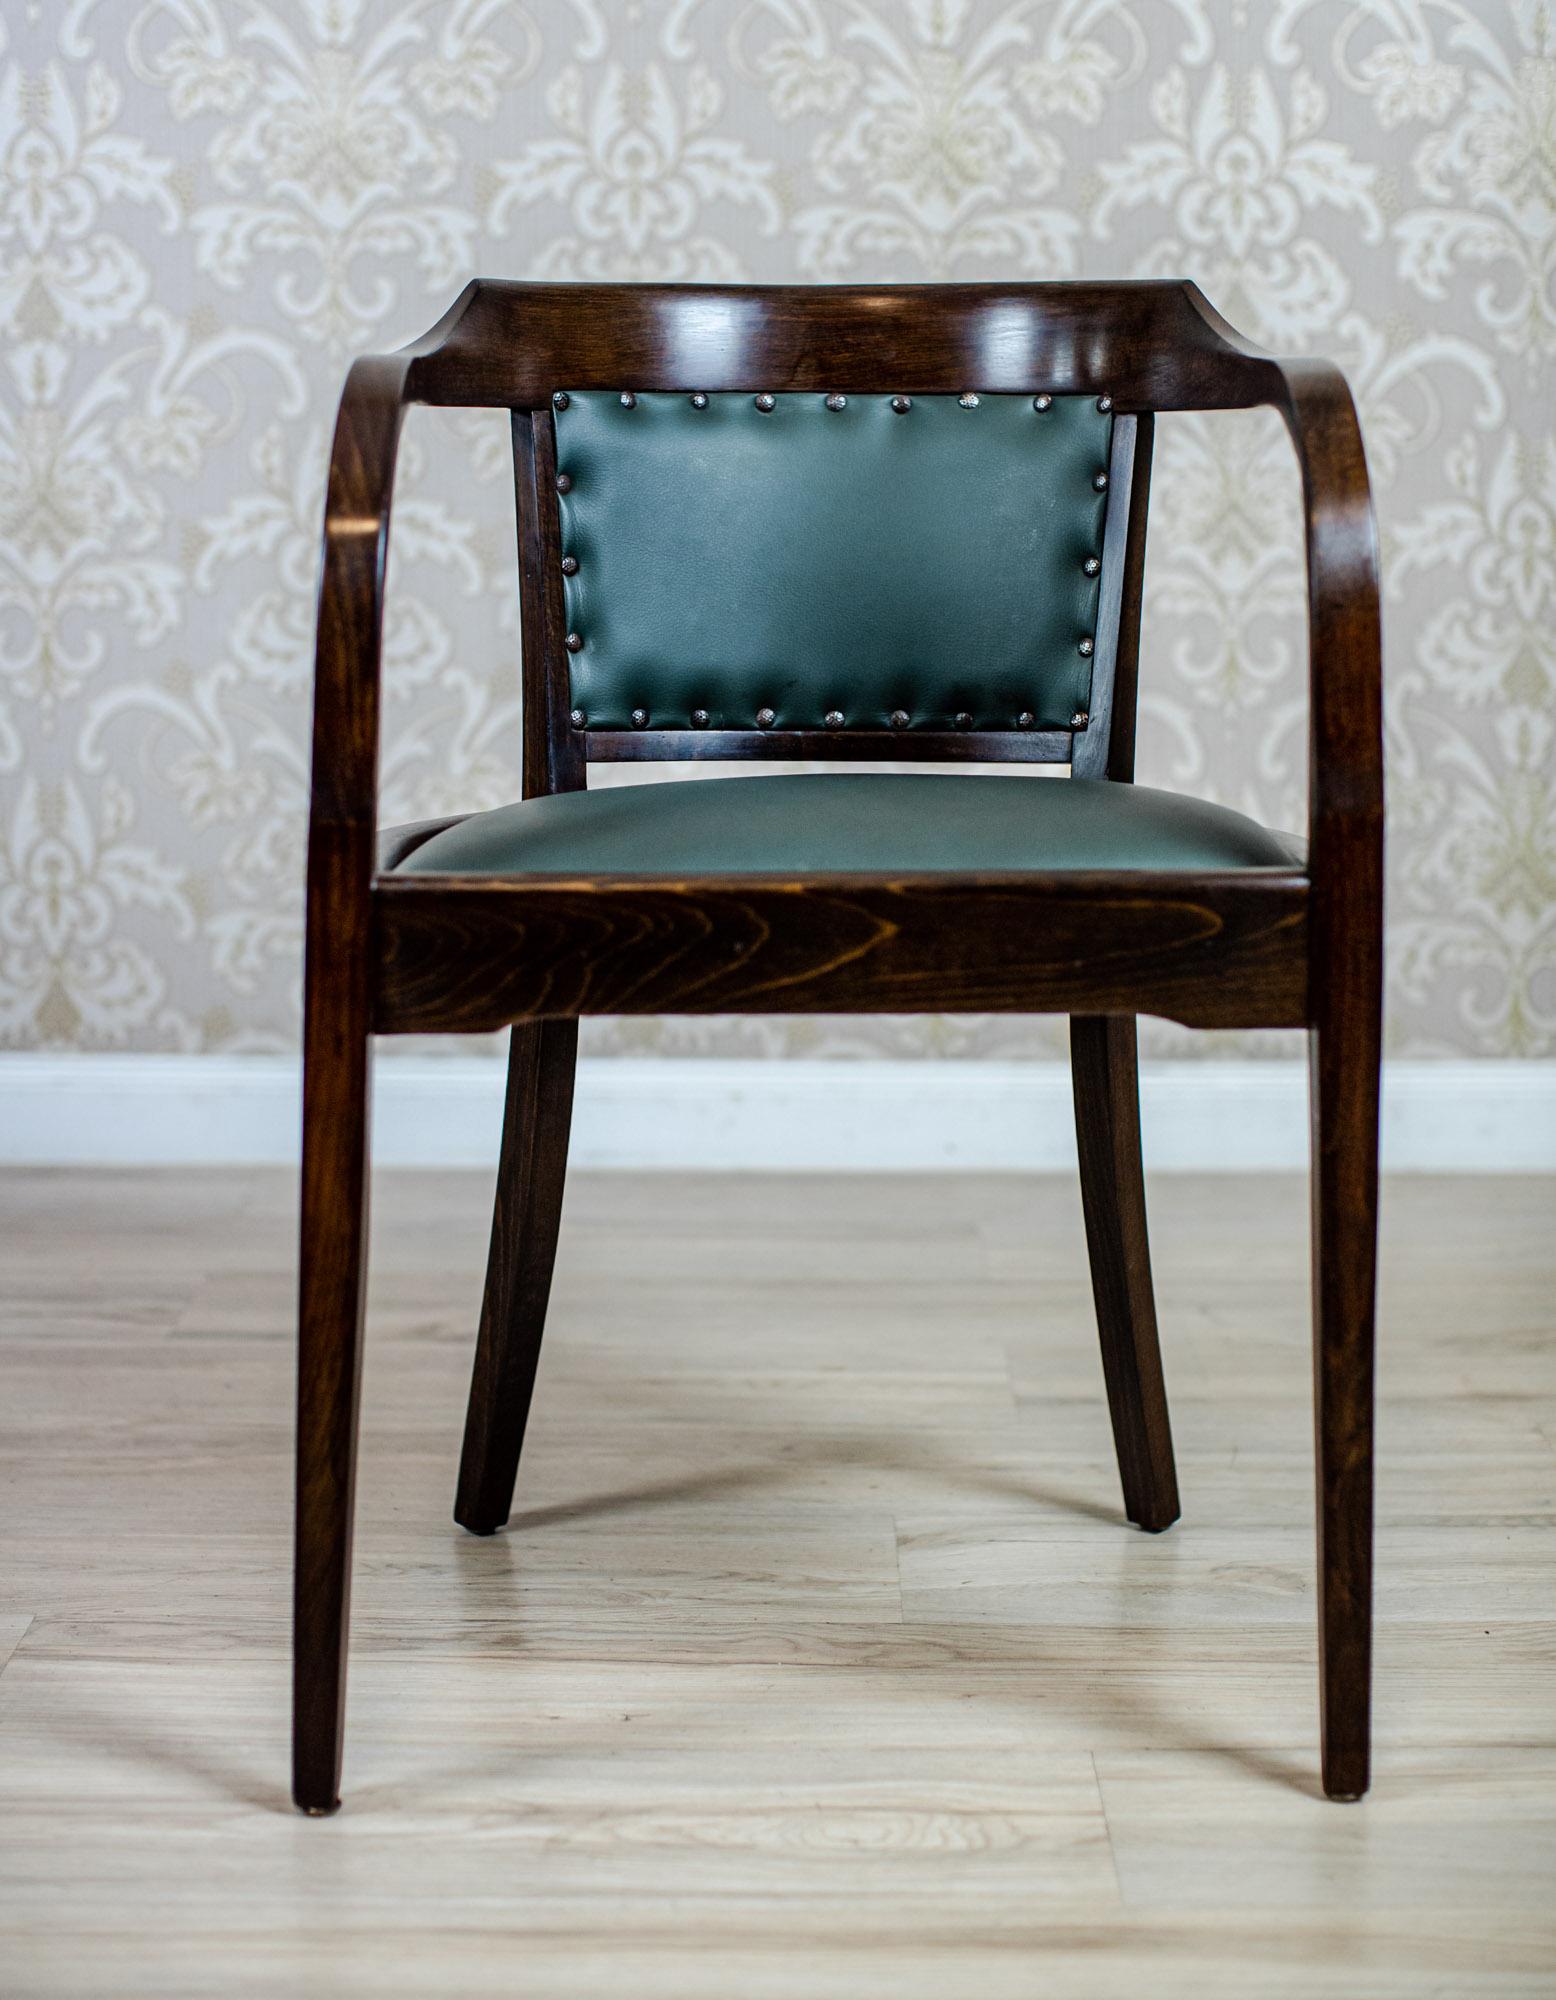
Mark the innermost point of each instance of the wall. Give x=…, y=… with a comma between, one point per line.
x=206, y=206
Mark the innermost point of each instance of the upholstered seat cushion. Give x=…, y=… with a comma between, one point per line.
x=874, y=822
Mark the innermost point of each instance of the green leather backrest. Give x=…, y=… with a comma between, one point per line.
x=736, y=562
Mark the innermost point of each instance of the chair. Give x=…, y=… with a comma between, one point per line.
x=857, y=524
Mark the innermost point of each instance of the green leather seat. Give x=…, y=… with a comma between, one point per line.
x=874, y=822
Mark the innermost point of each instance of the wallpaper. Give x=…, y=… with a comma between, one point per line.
x=208, y=206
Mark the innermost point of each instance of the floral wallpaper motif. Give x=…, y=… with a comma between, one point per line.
x=207, y=206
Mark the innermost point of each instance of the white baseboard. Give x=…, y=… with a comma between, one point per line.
x=842, y=1116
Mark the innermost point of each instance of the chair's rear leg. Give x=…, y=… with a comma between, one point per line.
x=1345, y=1064
x=542, y=1064
x=331, y=1283
x=1105, y=1072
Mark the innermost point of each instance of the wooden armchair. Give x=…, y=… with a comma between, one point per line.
x=861, y=523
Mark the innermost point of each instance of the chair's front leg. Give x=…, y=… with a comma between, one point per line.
x=331, y=1284
x=1345, y=1012
x=1345, y=1076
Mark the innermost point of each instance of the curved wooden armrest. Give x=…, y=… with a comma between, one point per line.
x=379, y=388
x=1345, y=778
x=1345, y=645
x=351, y=590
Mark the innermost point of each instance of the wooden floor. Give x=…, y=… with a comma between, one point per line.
x=818, y=1660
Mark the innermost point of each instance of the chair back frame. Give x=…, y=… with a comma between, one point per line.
x=1152, y=345
x=917, y=340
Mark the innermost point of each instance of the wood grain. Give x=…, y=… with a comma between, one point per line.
x=531, y=1170
x=1105, y=1070
x=1152, y=345
x=1123, y=554
x=1345, y=1010
x=1121, y=720
x=469, y=953
x=331, y=1297
x=337, y=1009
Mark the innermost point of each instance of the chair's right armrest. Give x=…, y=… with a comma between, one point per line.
x=1223, y=370
x=1344, y=623
x=1345, y=726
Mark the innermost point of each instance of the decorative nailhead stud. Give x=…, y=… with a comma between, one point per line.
x=578, y=719
x=569, y=565
x=836, y=402
x=640, y=718
x=699, y=718
x=765, y=718
x=1104, y=404
x=699, y=401
x=1092, y=565
x=575, y=642
x=628, y=400
x=1025, y=719
x=834, y=718
x=1100, y=482
x=968, y=400
x=564, y=482
x=766, y=402
x=902, y=404
x=1043, y=402
x=1085, y=649
x=963, y=720
x=899, y=718
x=1079, y=719
x=560, y=400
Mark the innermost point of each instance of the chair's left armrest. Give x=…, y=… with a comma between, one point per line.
x=351, y=592
x=1345, y=777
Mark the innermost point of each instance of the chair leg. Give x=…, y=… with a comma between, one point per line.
x=332, y=1272
x=1105, y=1072
x=542, y=1063
x=1345, y=1078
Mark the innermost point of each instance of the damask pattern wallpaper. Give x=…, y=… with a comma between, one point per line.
x=207, y=206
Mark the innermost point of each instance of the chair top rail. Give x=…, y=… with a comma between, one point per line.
x=1150, y=344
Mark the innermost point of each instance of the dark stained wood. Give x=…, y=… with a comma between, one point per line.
x=1346, y=1011
x=878, y=746
x=1104, y=1057
x=336, y=1025
x=1150, y=345
x=351, y=593
x=542, y=1055
x=553, y=752
x=1123, y=707
x=542, y=1061
x=1345, y=1058
x=1089, y=751
x=331, y=1290
x=429, y=953
x=1105, y=1072
x=469, y=954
